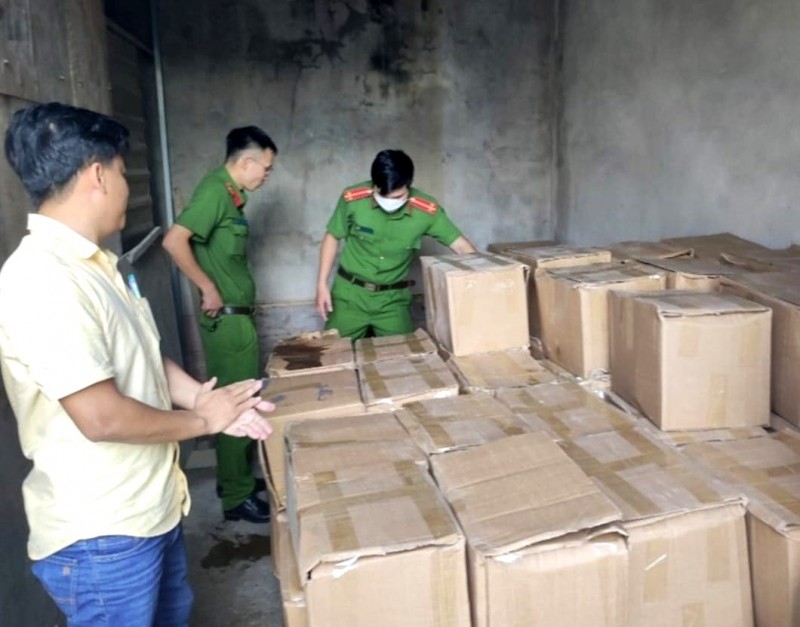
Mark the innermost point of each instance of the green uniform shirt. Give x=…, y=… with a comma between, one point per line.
x=219, y=236
x=379, y=247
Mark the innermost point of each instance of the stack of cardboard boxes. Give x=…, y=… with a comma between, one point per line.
x=452, y=479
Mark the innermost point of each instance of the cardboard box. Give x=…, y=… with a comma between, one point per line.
x=377, y=545
x=681, y=438
x=712, y=246
x=295, y=613
x=313, y=434
x=697, y=275
x=311, y=353
x=781, y=293
x=499, y=248
x=563, y=410
x=369, y=350
x=476, y=303
x=574, y=307
x=485, y=373
x=687, y=544
x=766, y=470
x=305, y=397
x=691, y=361
x=392, y=383
x=449, y=424
x=557, y=256
x=634, y=250
x=540, y=548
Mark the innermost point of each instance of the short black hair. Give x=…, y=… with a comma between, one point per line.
x=246, y=137
x=391, y=170
x=48, y=144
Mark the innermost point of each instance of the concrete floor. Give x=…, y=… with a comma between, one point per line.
x=230, y=566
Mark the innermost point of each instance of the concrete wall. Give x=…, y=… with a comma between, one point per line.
x=463, y=87
x=679, y=118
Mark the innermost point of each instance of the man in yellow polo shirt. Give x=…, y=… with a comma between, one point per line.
x=92, y=395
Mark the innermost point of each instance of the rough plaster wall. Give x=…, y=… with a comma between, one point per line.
x=463, y=87
x=679, y=118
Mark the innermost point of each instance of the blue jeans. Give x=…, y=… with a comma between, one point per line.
x=120, y=581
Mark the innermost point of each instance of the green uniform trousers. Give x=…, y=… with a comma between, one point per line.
x=230, y=344
x=356, y=311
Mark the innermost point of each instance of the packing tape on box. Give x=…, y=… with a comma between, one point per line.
x=718, y=543
x=758, y=479
x=378, y=383
x=554, y=415
x=435, y=427
x=369, y=348
x=503, y=363
x=656, y=570
x=719, y=395
x=334, y=506
x=694, y=615
x=498, y=261
x=608, y=473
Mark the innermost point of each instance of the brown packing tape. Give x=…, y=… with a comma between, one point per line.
x=751, y=344
x=445, y=595
x=656, y=574
x=375, y=382
x=560, y=427
x=759, y=479
x=335, y=506
x=694, y=615
x=651, y=454
x=367, y=347
x=689, y=341
x=435, y=425
x=718, y=400
x=718, y=542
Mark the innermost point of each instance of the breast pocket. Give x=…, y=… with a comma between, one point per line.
x=236, y=240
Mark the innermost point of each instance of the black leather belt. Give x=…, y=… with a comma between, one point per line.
x=372, y=287
x=230, y=310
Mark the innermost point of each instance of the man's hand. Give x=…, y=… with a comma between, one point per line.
x=211, y=301
x=223, y=407
x=251, y=424
x=324, y=304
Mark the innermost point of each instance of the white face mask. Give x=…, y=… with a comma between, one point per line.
x=390, y=205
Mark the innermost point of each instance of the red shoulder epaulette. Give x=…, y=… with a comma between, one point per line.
x=235, y=195
x=357, y=193
x=428, y=206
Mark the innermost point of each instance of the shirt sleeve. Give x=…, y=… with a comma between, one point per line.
x=442, y=228
x=62, y=353
x=337, y=225
x=205, y=211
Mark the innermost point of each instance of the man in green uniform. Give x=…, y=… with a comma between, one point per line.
x=382, y=222
x=209, y=244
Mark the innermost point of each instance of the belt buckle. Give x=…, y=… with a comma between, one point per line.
x=370, y=287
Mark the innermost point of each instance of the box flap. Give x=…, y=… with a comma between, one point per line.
x=782, y=285
x=311, y=394
x=485, y=372
x=369, y=510
x=645, y=478
x=711, y=246
x=448, y=424
x=319, y=459
x=653, y=250
x=604, y=274
x=398, y=381
x=564, y=410
x=517, y=491
x=366, y=428
x=542, y=256
x=467, y=264
x=374, y=349
x=319, y=351
x=501, y=247
x=673, y=303
x=693, y=267
x=766, y=469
